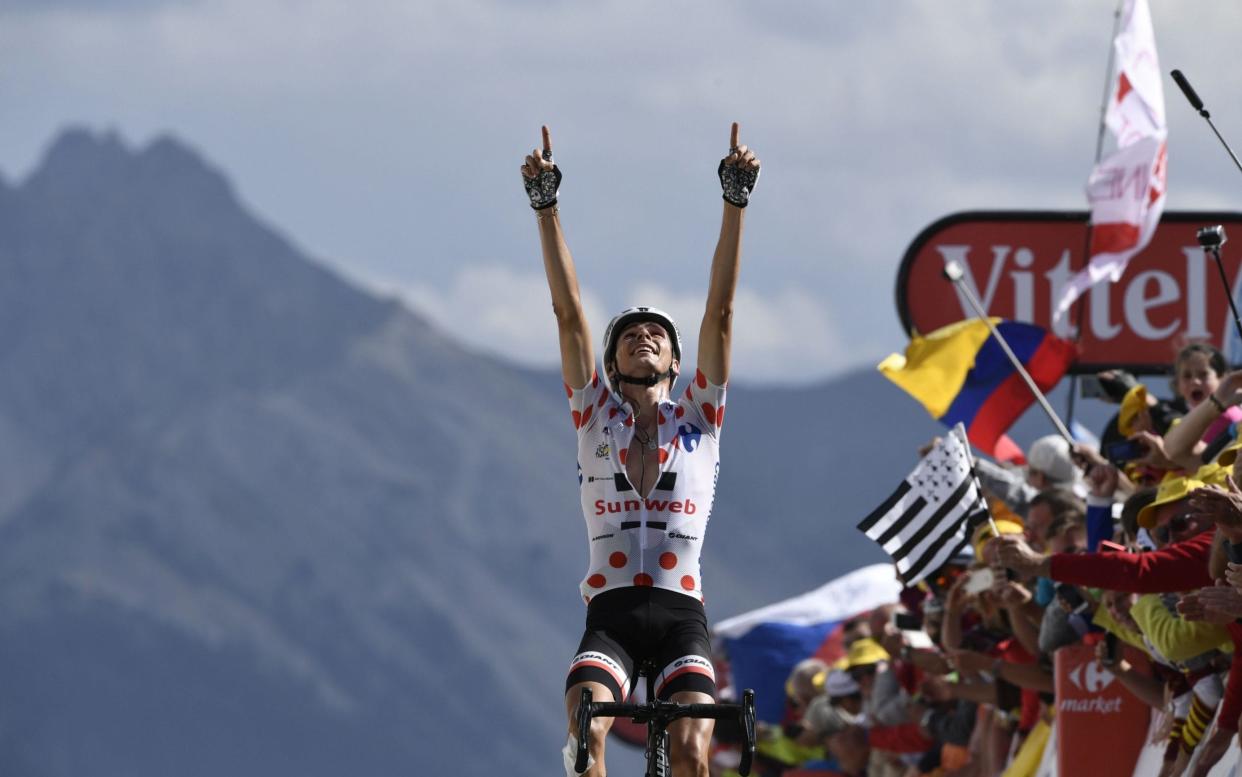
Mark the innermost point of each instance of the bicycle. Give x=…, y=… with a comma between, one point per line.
x=658, y=715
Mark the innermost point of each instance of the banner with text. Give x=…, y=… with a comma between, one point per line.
x=1017, y=262
x=1101, y=726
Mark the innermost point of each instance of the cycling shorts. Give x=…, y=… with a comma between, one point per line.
x=627, y=627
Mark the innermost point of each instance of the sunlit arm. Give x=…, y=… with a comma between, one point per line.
x=717, y=330
x=577, y=361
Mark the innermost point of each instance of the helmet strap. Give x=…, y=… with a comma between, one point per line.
x=650, y=380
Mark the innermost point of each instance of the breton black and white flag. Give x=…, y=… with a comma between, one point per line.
x=932, y=514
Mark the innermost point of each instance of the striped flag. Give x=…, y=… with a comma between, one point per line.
x=932, y=514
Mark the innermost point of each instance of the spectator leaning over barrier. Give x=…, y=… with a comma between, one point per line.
x=1179, y=566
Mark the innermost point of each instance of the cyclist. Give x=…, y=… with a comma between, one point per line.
x=647, y=466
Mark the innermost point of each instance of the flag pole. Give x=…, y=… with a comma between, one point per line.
x=1099, y=152
x=960, y=430
x=954, y=272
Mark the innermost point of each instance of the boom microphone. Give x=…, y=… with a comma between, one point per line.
x=1197, y=104
x=1189, y=91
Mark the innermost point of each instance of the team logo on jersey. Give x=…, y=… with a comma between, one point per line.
x=602, y=451
x=690, y=436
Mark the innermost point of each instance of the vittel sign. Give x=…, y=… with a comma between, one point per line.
x=1017, y=261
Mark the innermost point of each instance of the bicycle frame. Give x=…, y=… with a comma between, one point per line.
x=658, y=715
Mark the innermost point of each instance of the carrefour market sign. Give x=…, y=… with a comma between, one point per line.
x=1015, y=261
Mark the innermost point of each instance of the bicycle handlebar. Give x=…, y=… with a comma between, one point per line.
x=642, y=713
x=665, y=713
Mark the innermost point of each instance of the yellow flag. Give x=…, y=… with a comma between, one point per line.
x=935, y=365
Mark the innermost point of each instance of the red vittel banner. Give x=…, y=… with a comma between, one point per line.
x=1171, y=293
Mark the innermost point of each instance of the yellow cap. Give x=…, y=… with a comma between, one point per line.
x=1172, y=488
x=865, y=652
x=1132, y=404
x=1230, y=454
x=1215, y=473
x=984, y=532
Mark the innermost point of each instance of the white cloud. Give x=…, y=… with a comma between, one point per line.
x=494, y=309
x=782, y=337
x=386, y=134
x=785, y=336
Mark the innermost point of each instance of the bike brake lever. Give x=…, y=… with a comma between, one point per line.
x=584, y=731
x=748, y=726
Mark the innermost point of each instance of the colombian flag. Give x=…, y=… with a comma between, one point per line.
x=960, y=373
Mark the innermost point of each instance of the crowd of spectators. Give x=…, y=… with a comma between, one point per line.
x=1135, y=551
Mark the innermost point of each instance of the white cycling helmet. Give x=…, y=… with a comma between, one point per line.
x=632, y=316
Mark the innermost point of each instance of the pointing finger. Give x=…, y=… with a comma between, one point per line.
x=547, y=141
x=733, y=136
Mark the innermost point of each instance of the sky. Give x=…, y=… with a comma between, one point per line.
x=384, y=138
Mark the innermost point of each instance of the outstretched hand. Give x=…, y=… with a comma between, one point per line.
x=1221, y=505
x=1223, y=600
x=540, y=175
x=1229, y=392
x=739, y=155
x=537, y=162
x=738, y=171
x=1016, y=554
x=1214, y=604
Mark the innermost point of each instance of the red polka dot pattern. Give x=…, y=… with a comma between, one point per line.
x=577, y=418
x=623, y=453
x=617, y=560
x=586, y=599
x=643, y=579
x=594, y=379
x=700, y=379
x=661, y=417
x=612, y=412
x=687, y=582
x=586, y=415
x=709, y=413
x=668, y=560
x=629, y=420
x=596, y=581
x=720, y=416
x=680, y=411
x=663, y=455
x=569, y=393
x=603, y=397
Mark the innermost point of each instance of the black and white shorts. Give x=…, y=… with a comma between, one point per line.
x=626, y=627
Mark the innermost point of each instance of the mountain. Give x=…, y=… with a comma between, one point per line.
x=255, y=520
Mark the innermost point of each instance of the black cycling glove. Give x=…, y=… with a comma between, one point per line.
x=543, y=188
x=737, y=183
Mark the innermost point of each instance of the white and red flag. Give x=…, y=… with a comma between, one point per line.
x=1126, y=189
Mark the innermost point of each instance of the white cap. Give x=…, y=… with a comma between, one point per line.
x=1051, y=456
x=841, y=684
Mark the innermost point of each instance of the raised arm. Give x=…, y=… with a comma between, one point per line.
x=738, y=173
x=1183, y=438
x=542, y=178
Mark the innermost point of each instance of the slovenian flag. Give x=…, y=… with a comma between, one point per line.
x=961, y=374
x=764, y=645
